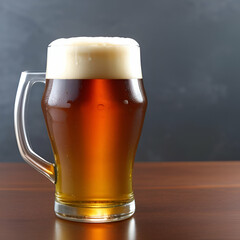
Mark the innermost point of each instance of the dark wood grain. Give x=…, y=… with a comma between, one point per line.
x=194, y=200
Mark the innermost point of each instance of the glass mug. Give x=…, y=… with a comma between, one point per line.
x=94, y=105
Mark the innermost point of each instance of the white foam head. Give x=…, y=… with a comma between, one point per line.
x=93, y=57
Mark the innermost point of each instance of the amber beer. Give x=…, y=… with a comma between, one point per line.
x=94, y=116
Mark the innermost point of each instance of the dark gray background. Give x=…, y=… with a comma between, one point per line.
x=190, y=57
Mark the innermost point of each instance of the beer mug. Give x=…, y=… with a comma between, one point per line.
x=94, y=105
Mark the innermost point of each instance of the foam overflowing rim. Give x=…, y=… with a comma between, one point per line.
x=94, y=41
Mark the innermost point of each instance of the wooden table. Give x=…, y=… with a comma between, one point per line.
x=185, y=200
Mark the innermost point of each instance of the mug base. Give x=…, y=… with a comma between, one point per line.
x=98, y=214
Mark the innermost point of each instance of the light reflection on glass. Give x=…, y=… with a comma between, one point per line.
x=136, y=90
x=67, y=230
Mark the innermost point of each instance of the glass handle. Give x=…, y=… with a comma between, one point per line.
x=26, y=82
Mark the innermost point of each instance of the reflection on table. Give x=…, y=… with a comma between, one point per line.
x=64, y=229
